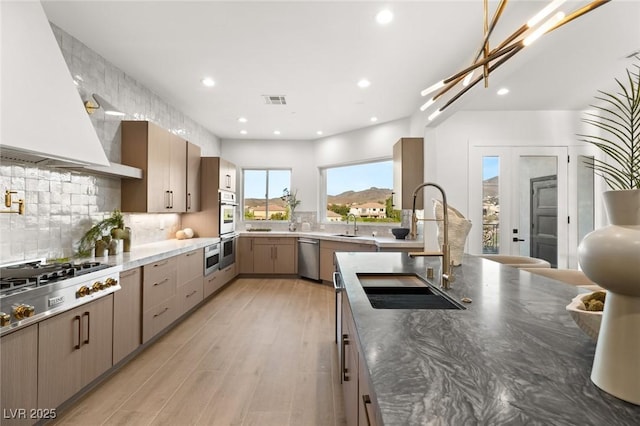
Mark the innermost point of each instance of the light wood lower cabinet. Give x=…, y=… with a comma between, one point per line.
x=159, y=303
x=360, y=405
x=245, y=255
x=328, y=250
x=190, y=280
x=127, y=314
x=19, y=381
x=216, y=280
x=74, y=348
x=268, y=255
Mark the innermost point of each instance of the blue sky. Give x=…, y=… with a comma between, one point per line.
x=490, y=167
x=340, y=179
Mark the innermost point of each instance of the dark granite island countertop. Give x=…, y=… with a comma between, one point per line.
x=514, y=356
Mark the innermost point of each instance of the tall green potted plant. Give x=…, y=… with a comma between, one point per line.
x=610, y=256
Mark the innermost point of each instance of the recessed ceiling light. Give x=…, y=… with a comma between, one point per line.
x=242, y=120
x=374, y=119
x=319, y=132
x=276, y=132
x=243, y=132
x=208, y=82
x=503, y=91
x=364, y=83
x=384, y=17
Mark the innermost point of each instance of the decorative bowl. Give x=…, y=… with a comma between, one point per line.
x=400, y=233
x=588, y=321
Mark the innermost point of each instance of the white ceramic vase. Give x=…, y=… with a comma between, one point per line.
x=610, y=257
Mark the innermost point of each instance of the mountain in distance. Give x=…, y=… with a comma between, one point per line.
x=371, y=195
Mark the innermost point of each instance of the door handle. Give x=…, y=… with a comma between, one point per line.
x=77, y=318
x=188, y=201
x=366, y=400
x=517, y=240
x=167, y=199
x=345, y=342
x=86, y=342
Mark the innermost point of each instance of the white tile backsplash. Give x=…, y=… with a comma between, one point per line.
x=61, y=205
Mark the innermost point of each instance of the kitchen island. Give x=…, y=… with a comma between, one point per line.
x=514, y=356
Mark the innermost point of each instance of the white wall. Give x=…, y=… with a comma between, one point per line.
x=447, y=151
x=305, y=158
x=358, y=146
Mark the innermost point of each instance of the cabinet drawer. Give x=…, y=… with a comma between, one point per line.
x=212, y=283
x=159, y=285
x=156, y=271
x=275, y=240
x=158, y=318
x=190, y=266
x=228, y=273
x=190, y=295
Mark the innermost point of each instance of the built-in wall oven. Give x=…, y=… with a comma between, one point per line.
x=227, y=250
x=211, y=258
x=228, y=207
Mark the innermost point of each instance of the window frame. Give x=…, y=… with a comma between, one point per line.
x=322, y=190
x=267, y=170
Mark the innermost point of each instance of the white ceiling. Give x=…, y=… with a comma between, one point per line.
x=314, y=53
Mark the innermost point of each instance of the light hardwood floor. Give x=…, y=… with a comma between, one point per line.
x=260, y=352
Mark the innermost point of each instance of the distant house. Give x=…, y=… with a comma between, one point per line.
x=333, y=216
x=376, y=210
x=260, y=213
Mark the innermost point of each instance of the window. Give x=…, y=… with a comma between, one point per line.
x=262, y=192
x=361, y=189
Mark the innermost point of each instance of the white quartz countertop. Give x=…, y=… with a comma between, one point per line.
x=153, y=252
x=382, y=242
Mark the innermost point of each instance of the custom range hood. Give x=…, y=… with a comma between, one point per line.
x=42, y=118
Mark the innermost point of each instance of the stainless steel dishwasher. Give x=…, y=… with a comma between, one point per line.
x=309, y=258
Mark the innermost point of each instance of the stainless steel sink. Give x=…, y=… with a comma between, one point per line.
x=404, y=291
x=345, y=235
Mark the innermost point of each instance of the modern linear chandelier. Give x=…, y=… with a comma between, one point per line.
x=489, y=59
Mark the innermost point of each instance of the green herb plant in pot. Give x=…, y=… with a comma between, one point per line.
x=111, y=227
x=610, y=256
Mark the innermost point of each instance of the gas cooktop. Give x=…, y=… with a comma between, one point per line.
x=31, y=291
x=36, y=273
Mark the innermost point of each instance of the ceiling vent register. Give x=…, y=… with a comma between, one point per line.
x=274, y=99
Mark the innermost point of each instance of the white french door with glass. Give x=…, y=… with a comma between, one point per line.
x=518, y=198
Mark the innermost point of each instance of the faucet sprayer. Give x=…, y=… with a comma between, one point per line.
x=447, y=276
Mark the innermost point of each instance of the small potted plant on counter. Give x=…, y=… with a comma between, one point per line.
x=103, y=234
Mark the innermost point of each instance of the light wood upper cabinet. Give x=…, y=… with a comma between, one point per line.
x=193, y=178
x=74, y=348
x=162, y=156
x=19, y=367
x=408, y=172
x=127, y=314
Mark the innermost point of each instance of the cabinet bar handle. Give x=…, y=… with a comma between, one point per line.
x=77, y=345
x=366, y=400
x=345, y=342
x=171, y=198
x=167, y=199
x=192, y=253
x=128, y=273
x=160, y=313
x=160, y=282
x=155, y=265
x=192, y=293
x=86, y=342
x=188, y=201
